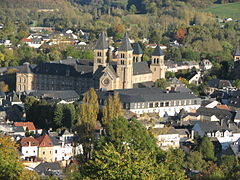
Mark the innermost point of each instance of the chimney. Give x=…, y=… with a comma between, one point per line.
x=192, y=134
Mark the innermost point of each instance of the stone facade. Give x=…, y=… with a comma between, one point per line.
x=101, y=73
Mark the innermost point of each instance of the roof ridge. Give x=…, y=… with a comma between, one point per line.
x=126, y=45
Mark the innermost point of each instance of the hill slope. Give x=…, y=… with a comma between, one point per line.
x=231, y=10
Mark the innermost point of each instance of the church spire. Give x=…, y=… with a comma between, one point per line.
x=126, y=45
x=157, y=51
x=101, y=43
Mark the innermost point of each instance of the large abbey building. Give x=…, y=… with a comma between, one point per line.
x=126, y=72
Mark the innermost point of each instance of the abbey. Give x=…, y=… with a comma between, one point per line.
x=125, y=72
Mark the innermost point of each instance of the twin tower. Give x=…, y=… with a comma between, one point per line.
x=129, y=67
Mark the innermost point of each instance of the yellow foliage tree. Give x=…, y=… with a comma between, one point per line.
x=112, y=109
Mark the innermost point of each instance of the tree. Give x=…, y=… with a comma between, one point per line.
x=112, y=109
x=109, y=163
x=228, y=164
x=3, y=86
x=195, y=161
x=57, y=116
x=206, y=148
x=236, y=83
x=10, y=166
x=87, y=120
x=69, y=115
x=161, y=83
x=133, y=9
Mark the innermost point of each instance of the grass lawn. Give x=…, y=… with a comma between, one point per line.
x=230, y=10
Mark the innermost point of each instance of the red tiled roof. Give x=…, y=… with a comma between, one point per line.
x=29, y=125
x=29, y=141
x=26, y=40
x=223, y=107
x=44, y=141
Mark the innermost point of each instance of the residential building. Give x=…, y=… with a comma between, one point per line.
x=218, y=84
x=29, y=147
x=205, y=64
x=225, y=132
x=45, y=148
x=153, y=100
x=27, y=126
x=167, y=137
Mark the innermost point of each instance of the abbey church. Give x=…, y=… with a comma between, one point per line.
x=102, y=73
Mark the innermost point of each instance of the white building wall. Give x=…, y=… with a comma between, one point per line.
x=171, y=110
x=166, y=141
x=28, y=151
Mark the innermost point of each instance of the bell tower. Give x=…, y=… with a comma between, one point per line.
x=100, y=52
x=125, y=64
x=157, y=64
x=137, y=52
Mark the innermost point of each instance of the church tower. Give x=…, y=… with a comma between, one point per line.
x=137, y=52
x=125, y=64
x=157, y=64
x=100, y=52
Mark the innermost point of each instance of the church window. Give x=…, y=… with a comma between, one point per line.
x=122, y=55
x=154, y=61
x=155, y=69
x=122, y=62
x=134, y=59
x=99, y=54
x=99, y=60
x=157, y=61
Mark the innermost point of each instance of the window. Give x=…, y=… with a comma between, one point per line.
x=156, y=104
x=99, y=54
x=99, y=60
x=34, y=151
x=161, y=104
x=55, y=151
x=43, y=152
x=167, y=104
x=122, y=62
x=50, y=152
x=151, y=105
x=26, y=152
x=122, y=55
x=195, y=102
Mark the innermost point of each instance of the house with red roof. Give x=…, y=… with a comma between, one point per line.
x=29, y=147
x=27, y=126
x=45, y=148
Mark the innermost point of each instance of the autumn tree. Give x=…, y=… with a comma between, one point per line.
x=112, y=109
x=10, y=166
x=3, y=86
x=181, y=33
x=87, y=120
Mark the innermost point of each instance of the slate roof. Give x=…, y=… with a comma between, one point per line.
x=2, y=94
x=125, y=45
x=47, y=167
x=237, y=51
x=157, y=51
x=219, y=113
x=137, y=49
x=141, y=68
x=147, y=95
x=218, y=83
x=211, y=126
x=101, y=43
x=66, y=95
x=18, y=129
x=165, y=130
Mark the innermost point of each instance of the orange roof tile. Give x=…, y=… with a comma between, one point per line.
x=45, y=141
x=29, y=141
x=223, y=107
x=30, y=126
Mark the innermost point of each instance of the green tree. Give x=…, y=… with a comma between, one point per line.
x=57, y=116
x=206, y=148
x=112, y=109
x=195, y=161
x=69, y=115
x=161, y=83
x=236, y=83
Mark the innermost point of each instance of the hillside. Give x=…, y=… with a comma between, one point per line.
x=33, y=4
x=230, y=10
